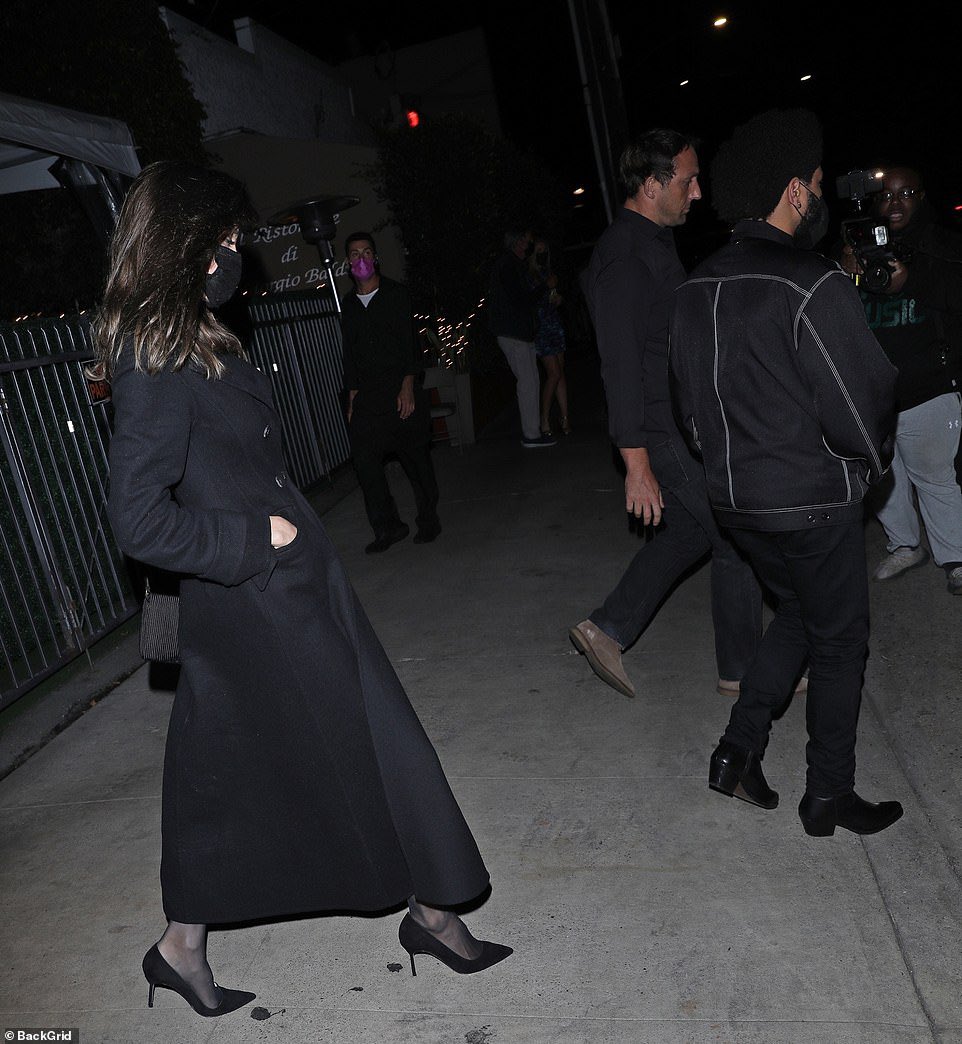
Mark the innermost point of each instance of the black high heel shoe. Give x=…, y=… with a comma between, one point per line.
x=416, y=939
x=158, y=972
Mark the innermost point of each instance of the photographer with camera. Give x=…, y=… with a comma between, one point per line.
x=911, y=288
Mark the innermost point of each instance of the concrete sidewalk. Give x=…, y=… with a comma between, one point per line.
x=642, y=906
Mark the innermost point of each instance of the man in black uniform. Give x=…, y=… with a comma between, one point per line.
x=387, y=410
x=782, y=388
x=630, y=283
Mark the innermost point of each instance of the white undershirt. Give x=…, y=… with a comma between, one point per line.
x=365, y=299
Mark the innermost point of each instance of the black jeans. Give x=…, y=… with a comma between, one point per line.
x=373, y=436
x=688, y=532
x=819, y=579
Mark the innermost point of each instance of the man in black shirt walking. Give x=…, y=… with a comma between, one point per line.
x=631, y=279
x=387, y=409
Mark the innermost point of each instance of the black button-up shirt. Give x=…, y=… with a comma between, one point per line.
x=631, y=281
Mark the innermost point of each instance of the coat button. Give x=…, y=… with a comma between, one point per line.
x=281, y=479
x=811, y=518
x=826, y=517
x=267, y=431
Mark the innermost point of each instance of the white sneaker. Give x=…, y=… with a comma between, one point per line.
x=955, y=580
x=896, y=562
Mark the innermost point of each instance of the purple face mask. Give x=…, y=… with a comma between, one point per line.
x=362, y=268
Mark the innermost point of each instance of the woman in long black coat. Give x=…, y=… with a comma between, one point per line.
x=297, y=777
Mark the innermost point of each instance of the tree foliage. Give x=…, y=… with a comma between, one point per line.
x=110, y=58
x=453, y=189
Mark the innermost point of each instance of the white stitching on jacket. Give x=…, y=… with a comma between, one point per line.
x=721, y=405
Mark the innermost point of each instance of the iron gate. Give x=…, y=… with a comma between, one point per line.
x=63, y=583
x=296, y=341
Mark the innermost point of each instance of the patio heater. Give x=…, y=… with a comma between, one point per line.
x=316, y=216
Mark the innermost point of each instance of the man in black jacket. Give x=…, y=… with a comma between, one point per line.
x=784, y=391
x=630, y=283
x=918, y=322
x=387, y=410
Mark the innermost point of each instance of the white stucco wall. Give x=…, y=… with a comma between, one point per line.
x=264, y=84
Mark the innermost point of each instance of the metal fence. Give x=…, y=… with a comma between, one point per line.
x=63, y=583
x=296, y=341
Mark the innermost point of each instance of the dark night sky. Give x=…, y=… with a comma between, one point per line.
x=880, y=72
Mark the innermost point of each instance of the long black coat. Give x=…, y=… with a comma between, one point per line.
x=297, y=776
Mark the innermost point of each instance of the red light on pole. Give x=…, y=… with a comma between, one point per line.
x=413, y=117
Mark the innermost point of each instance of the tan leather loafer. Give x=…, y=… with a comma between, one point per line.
x=604, y=655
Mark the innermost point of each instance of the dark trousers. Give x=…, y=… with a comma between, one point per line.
x=373, y=436
x=688, y=532
x=818, y=577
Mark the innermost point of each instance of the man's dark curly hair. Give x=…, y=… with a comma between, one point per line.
x=752, y=168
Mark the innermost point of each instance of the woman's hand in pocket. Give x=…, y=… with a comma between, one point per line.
x=282, y=531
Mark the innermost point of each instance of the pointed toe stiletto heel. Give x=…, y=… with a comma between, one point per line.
x=158, y=972
x=416, y=939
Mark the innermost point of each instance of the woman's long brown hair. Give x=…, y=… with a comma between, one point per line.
x=172, y=220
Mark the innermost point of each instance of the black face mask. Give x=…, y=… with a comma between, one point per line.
x=814, y=224
x=222, y=283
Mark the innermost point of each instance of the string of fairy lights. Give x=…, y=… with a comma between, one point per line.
x=40, y=315
x=450, y=340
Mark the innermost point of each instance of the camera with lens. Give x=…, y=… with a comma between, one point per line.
x=866, y=235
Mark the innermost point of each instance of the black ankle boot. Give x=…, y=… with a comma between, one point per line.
x=388, y=537
x=820, y=816
x=427, y=532
x=738, y=773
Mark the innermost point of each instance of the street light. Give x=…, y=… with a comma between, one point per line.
x=719, y=23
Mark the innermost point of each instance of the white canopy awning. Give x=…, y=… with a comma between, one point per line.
x=34, y=135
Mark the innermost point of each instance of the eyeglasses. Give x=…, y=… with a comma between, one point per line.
x=902, y=193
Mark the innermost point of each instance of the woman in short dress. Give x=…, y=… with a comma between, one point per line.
x=549, y=342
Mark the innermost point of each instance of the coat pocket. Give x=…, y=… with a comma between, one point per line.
x=288, y=511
